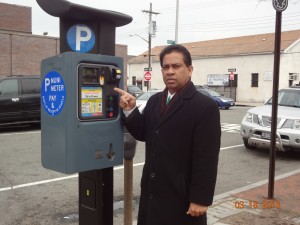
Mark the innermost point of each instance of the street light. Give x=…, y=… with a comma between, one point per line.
x=131, y=35
x=149, y=52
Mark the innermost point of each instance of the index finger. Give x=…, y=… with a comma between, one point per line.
x=122, y=92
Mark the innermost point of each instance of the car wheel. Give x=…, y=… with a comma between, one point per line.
x=247, y=145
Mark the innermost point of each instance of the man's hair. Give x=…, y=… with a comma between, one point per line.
x=176, y=48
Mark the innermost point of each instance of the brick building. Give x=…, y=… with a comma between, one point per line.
x=21, y=51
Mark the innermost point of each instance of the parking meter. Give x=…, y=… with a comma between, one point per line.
x=81, y=128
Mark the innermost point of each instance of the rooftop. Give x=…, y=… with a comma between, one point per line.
x=244, y=45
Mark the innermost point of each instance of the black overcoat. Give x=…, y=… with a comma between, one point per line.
x=182, y=148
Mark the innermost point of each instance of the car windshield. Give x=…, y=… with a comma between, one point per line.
x=145, y=96
x=290, y=98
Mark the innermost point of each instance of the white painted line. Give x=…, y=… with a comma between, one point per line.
x=217, y=197
x=76, y=175
x=37, y=183
x=234, y=146
x=31, y=132
x=54, y=180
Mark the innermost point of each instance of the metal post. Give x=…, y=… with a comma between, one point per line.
x=177, y=18
x=128, y=195
x=274, y=106
x=129, y=152
x=149, y=44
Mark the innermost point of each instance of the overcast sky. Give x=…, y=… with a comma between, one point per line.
x=198, y=19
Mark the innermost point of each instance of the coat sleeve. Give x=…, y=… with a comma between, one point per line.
x=135, y=125
x=206, y=148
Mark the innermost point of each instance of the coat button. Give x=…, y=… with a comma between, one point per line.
x=151, y=196
x=152, y=175
x=157, y=131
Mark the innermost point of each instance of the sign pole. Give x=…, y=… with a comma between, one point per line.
x=279, y=8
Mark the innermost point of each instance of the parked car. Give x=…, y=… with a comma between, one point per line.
x=20, y=99
x=141, y=100
x=256, y=125
x=222, y=101
x=134, y=90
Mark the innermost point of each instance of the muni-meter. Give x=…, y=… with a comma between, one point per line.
x=81, y=128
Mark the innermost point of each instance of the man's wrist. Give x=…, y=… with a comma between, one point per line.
x=128, y=112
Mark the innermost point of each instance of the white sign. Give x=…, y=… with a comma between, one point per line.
x=217, y=79
x=268, y=76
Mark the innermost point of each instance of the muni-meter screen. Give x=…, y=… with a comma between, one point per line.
x=97, y=100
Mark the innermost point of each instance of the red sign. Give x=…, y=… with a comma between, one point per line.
x=231, y=76
x=147, y=76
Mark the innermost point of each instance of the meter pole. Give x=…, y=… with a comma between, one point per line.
x=129, y=152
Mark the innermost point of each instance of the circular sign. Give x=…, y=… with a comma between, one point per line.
x=231, y=76
x=280, y=5
x=81, y=38
x=53, y=93
x=147, y=76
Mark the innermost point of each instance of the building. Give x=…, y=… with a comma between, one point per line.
x=21, y=51
x=249, y=58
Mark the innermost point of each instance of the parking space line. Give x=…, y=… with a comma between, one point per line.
x=31, y=132
x=76, y=175
x=55, y=179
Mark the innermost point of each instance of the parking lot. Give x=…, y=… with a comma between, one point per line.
x=31, y=194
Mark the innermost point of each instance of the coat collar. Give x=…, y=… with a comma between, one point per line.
x=178, y=103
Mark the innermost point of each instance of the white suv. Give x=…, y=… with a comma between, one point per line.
x=256, y=125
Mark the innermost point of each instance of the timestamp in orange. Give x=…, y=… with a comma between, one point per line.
x=265, y=204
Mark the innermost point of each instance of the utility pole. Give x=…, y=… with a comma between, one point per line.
x=176, y=25
x=150, y=33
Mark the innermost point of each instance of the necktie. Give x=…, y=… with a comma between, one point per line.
x=168, y=100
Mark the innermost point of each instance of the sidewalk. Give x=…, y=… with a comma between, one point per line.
x=248, y=104
x=251, y=207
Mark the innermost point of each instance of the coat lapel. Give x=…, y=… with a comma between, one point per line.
x=176, y=105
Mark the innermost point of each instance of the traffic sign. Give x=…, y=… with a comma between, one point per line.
x=171, y=42
x=81, y=38
x=147, y=76
x=148, y=69
x=232, y=70
x=231, y=76
x=281, y=5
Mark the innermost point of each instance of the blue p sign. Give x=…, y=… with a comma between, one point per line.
x=81, y=38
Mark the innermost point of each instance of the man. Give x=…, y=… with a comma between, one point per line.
x=181, y=128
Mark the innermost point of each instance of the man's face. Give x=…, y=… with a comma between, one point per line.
x=175, y=73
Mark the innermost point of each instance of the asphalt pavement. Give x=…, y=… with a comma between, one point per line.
x=259, y=203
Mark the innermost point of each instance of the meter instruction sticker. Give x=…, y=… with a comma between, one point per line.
x=53, y=93
x=91, y=101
